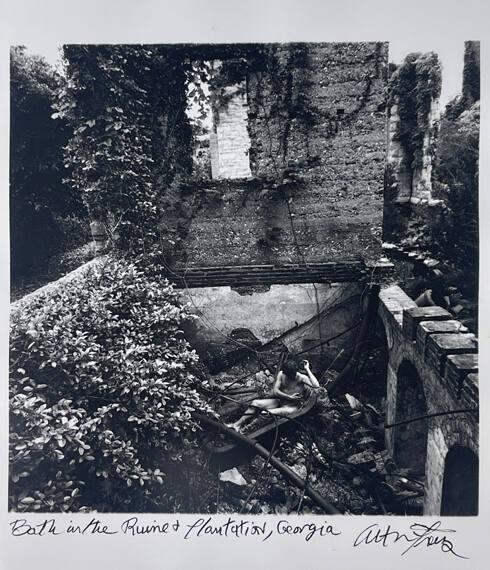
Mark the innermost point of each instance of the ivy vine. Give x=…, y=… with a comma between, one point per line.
x=121, y=104
x=413, y=86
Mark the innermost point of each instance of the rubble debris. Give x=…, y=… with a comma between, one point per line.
x=239, y=345
x=233, y=476
x=353, y=402
x=363, y=458
x=338, y=448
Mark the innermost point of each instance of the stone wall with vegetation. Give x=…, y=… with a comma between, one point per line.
x=440, y=227
x=130, y=139
x=413, y=99
x=316, y=120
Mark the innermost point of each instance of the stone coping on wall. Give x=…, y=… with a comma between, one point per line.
x=444, y=344
x=393, y=300
x=412, y=316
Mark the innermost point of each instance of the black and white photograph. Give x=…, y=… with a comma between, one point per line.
x=244, y=279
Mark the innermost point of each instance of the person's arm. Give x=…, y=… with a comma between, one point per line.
x=310, y=379
x=279, y=393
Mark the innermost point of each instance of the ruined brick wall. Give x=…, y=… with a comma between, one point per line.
x=413, y=119
x=411, y=183
x=445, y=357
x=471, y=73
x=316, y=123
x=299, y=316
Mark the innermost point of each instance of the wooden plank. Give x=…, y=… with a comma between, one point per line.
x=227, y=456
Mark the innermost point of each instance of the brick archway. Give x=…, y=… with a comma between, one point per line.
x=460, y=483
x=443, y=357
x=410, y=440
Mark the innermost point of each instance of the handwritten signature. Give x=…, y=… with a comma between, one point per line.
x=385, y=536
x=419, y=535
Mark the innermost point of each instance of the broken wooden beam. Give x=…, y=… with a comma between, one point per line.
x=286, y=471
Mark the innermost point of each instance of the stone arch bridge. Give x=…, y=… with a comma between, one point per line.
x=432, y=370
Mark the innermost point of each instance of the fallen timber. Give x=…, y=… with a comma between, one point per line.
x=226, y=456
x=259, y=449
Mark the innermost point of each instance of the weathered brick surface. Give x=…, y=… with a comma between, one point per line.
x=456, y=371
x=393, y=302
x=440, y=346
x=470, y=390
x=231, y=143
x=342, y=272
x=455, y=389
x=333, y=164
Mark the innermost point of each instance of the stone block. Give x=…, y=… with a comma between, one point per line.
x=394, y=300
x=458, y=368
x=427, y=328
x=414, y=315
x=441, y=345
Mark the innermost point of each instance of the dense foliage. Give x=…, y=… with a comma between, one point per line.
x=457, y=183
x=125, y=105
x=47, y=218
x=102, y=392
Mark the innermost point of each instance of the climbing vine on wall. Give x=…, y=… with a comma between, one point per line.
x=278, y=94
x=287, y=107
x=118, y=101
x=413, y=86
x=131, y=147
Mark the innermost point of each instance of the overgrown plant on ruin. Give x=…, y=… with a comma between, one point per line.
x=272, y=309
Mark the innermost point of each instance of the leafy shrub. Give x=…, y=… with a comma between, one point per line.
x=68, y=261
x=102, y=392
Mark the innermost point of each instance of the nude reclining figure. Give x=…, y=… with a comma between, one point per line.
x=288, y=394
